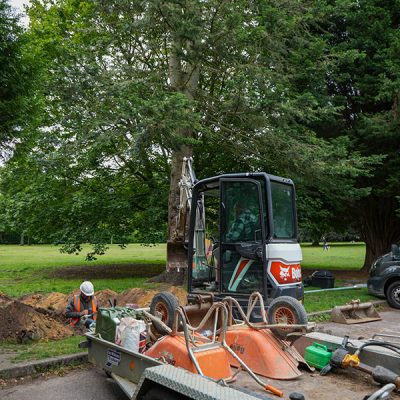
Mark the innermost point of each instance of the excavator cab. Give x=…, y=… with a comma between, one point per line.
x=243, y=238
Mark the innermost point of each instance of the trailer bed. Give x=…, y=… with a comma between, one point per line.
x=135, y=373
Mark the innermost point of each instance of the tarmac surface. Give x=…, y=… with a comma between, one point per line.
x=90, y=384
x=390, y=324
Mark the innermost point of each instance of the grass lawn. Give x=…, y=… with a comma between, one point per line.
x=42, y=349
x=346, y=256
x=327, y=300
x=27, y=269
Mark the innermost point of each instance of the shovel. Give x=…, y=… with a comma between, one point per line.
x=355, y=312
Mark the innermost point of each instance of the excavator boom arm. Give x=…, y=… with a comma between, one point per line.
x=176, y=251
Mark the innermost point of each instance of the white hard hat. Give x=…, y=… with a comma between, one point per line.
x=87, y=288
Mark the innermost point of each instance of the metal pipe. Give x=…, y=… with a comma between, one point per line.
x=179, y=316
x=387, y=336
x=383, y=393
x=258, y=326
x=215, y=324
x=265, y=386
x=253, y=299
x=359, y=286
x=158, y=321
x=202, y=322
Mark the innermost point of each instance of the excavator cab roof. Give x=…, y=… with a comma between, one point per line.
x=214, y=182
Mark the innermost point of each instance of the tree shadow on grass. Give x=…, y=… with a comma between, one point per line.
x=107, y=271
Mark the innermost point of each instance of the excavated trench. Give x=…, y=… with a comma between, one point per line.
x=36, y=316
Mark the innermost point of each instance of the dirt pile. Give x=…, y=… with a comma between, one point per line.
x=21, y=322
x=143, y=297
x=54, y=301
x=180, y=293
x=103, y=297
x=38, y=316
x=57, y=302
x=4, y=300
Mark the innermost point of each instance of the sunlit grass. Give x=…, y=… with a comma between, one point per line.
x=346, y=256
x=329, y=299
x=27, y=269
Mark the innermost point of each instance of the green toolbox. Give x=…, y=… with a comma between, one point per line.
x=109, y=318
x=317, y=355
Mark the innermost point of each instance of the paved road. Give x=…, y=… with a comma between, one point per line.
x=93, y=385
x=388, y=325
x=86, y=385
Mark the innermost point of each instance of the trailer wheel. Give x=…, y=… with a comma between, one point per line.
x=393, y=294
x=159, y=393
x=285, y=310
x=165, y=304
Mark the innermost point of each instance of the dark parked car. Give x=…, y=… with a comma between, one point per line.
x=384, y=277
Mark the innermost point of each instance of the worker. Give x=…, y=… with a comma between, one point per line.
x=243, y=228
x=82, y=308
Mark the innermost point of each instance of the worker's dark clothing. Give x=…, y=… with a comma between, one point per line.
x=243, y=228
x=76, y=305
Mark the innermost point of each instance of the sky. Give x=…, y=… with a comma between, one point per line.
x=18, y=4
x=19, y=7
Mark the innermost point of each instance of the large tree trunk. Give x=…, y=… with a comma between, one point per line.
x=186, y=81
x=380, y=227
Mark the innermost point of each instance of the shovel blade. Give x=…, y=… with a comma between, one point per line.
x=357, y=313
x=176, y=255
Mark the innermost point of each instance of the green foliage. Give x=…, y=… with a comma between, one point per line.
x=363, y=39
x=123, y=87
x=15, y=76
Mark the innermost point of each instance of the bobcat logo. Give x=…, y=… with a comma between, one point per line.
x=284, y=273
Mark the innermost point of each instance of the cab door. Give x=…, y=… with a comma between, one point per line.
x=242, y=238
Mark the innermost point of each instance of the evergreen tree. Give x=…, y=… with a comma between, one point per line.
x=128, y=88
x=15, y=74
x=364, y=82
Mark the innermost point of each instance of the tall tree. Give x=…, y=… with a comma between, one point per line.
x=129, y=88
x=364, y=39
x=15, y=76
